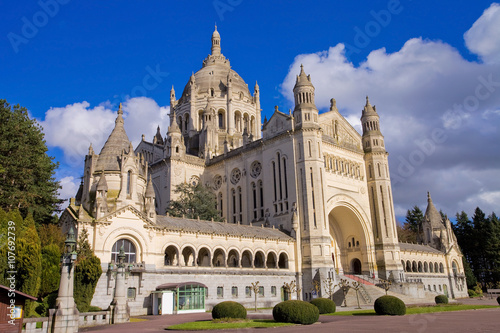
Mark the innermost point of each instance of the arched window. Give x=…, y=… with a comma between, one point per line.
x=220, y=206
x=454, y=268
x=441, y=268
x=233, y=196
x=221, y=119
x=128, y=248
x=129, y=182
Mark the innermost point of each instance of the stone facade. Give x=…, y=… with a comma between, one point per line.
x=304, y=197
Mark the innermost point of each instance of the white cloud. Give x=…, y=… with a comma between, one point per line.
x=483, y=38
x=425, y=88
x=69, y=187
x=74, y=127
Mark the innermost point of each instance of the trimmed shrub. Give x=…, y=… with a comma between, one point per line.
x=471, y=293
x=441, y=299
x=389, y=305
x=229, y=309
x=297, y=312
x=498, y=300
x=324, y=305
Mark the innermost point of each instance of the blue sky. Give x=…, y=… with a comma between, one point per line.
x=71, y=62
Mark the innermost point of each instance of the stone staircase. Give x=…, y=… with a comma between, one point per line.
x=369, y=292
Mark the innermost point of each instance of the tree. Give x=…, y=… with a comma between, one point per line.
x=194, y=201
x=409, y=231
x=27, y=178
x=51, y=272
x=87, y=273
x=26, y=261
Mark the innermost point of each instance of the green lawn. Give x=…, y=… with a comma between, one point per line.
x=418, y=309
x=210, y=325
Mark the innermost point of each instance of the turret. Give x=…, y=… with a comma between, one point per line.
x=173, y=102
x=216, y=43
x=373, y=140
x=175, y=141
x=101, y=200
x=305, y=112
x=149, y=201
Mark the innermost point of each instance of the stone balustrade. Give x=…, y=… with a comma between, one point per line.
x=87, y=319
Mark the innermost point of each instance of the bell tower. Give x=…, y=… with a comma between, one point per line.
x=380, y=195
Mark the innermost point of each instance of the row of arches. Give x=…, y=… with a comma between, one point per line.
x=425, y=267
x=343, y=166
x=204, y=257
x=242, y=121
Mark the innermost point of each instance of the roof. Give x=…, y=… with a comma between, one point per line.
x=432, y=215
x=178, y=285
x=219, y=228
x=18, y=293
x=303, y=79
x=114, y=146
x=418, y=247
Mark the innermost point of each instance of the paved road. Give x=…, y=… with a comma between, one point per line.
x=484, y=320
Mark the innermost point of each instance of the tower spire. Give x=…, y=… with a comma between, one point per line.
x=216, y=42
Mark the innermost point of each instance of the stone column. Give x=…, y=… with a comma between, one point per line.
x=119, y=306
x=65, y=316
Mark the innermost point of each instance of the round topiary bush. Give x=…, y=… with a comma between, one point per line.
x=441, y=299
x=324, y=305
x=297, y=312
x=498, y=300
x=389, y=305
x=229, y=309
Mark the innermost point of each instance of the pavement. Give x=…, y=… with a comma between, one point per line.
x=482, y=320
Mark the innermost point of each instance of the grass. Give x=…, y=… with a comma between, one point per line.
x=212, y=325
x=419, y=309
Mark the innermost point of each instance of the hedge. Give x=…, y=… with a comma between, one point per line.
x=441, y=299
x=324, y=305
x=297, y=312
x=229, y=309
x=389, y=305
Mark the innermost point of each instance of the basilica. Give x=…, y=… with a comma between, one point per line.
x=304, y=199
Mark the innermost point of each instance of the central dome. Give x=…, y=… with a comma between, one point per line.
x=215, y=74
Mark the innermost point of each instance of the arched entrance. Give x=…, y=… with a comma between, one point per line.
x=350, y=235
x=356, y=266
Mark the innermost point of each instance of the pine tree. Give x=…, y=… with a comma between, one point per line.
x=26, y=171
x=409, y=232
x=477, y=239
x=195, y=201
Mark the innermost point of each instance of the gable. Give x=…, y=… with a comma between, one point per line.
x=279, y=123
x=337, y=128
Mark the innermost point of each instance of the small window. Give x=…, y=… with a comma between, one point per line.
x=131, y=293
x=234, y=291
x=261, y=291
x=248, y=291
x=220, y=292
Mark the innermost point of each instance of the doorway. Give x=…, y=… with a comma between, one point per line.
x=356, y=266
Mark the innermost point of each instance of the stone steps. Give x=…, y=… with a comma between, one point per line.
x=369, y=292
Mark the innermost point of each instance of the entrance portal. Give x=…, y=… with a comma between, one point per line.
x=356, y=266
